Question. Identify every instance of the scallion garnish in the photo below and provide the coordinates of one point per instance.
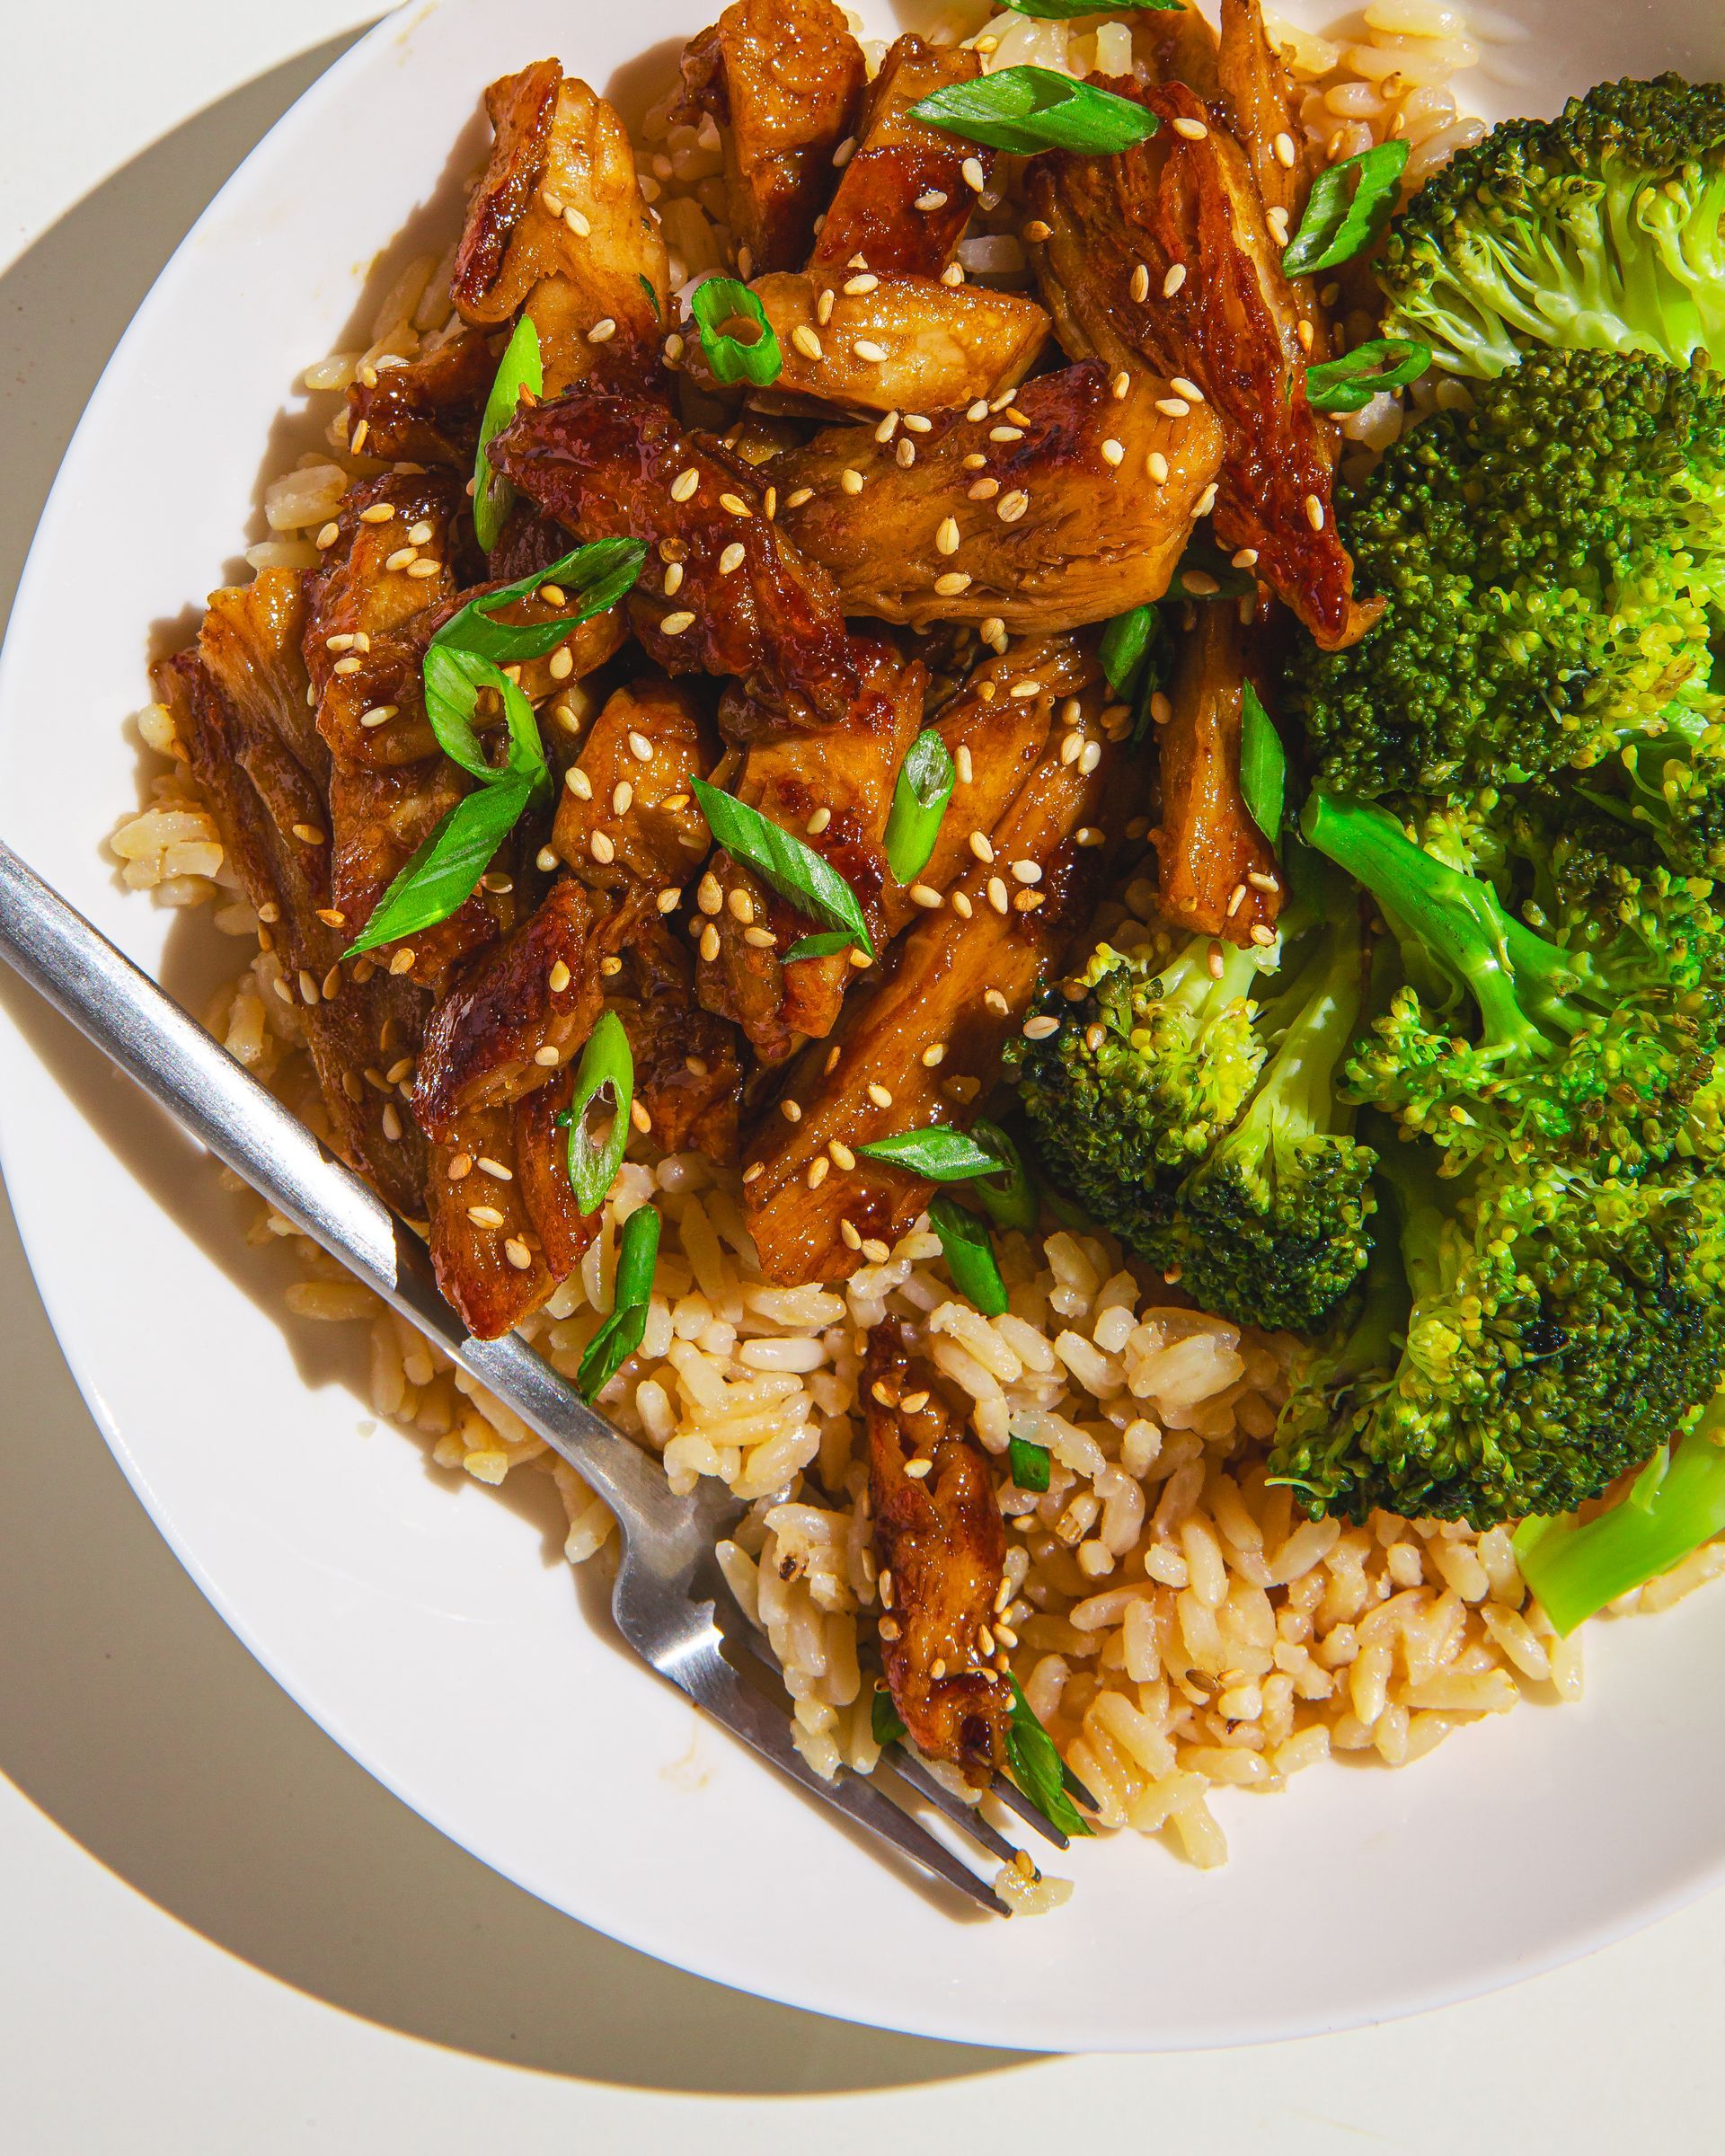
(519, 369)
(443, 873)
(607, 1064)
(1028, 1463)
(1350, 206)
(622, 1331)
(1125, 642)
(646, 284)
(1263, 764)
(825, 945)
(795, 872)
(1037, 1768)
(1064, 11)
(926, 778)
(883, 1719)
(454, 681)
(595, 575)
(1024, 110)
(1350, 383)
(1009, 1196)
(1576, 1566)
(969, 1249)
(715, 302)
(938, 1152)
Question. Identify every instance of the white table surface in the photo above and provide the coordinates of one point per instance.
(216, 1934)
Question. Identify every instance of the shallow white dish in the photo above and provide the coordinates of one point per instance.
(434, 1630)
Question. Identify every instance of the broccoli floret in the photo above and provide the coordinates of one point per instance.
(1270, 1228)
(1552, 561)
(1601, 228)
(1546, 1334)
(1589, 1043)
(1147, 1068)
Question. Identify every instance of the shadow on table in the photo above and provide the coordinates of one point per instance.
(127, 1711)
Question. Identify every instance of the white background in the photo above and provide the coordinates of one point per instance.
(215, 1933)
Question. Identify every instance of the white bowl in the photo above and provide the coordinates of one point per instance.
(435, 1631)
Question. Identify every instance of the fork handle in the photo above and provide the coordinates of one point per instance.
(145, 1031)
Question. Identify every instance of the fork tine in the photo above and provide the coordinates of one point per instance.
(1015, 1800)
(712, 1683)
(966, 1817)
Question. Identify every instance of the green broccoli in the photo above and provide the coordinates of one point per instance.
(1589, 1043)
(1149, 1065)
(1599, 229)
(1540, 1335)
(1270, 1228)
(1552, 560)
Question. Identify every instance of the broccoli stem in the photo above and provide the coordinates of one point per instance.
(1295, 1097)
(1189, 981)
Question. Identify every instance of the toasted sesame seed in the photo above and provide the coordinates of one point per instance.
(850, 479)
(819, 822)
(402, 961)
(905, 455)
(577, 223)
(485, 1216)
(993, 1000)
(981, 847)
(855, 286)
(843, 1158)
(916, 1470)
(709, 944)
(961, 906)
(1091, 758)
(674, 625)
(734, 505)
(579, 784)
(1113, 452)
(973, 175)
(1305, 334)
(1198, 583)
(807, 343)
(846, 151)
(327, 535)
(887, 427)
(997, 896)
(1213, 960)
(754, 1172)
(760, 939)
(1315, 512)
(356, 439)
(1024, 690)
(741, 906)
(946, 539)
(934, 199)
(795, 501)
(954, 581)
(547, 1057)
(1071, 748)
(640, 1118)
(1205, 501)
(875, 1251)
(1011, 507)
(1194, 130)
(562, 664)
(403, 557)
(983, 489)
(1174, 279)
(888, 1628)
(1183, 387)
(622, 796)
(684, 484)
(1036, 232)
(1276, 220)
(879, 1094)
(1006, 434)
(729, 561)
(919, 422)
(853, 1240)
(603, 330)
(308, 834)
(1139, 287)
(379, 714)
(1027, 872)
(792, 1111)
(824, 304)
(1156, 465)
(1284, 148)
(673, 581)
(602, 849)
(818, 1168)
(926, 895)
(1247, 557)
(1173, 408)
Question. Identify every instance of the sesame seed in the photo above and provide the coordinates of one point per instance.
(877, 1253)
(1315, 512)
(546, 858)
(1284, 148)
(916, 1470)
(1247, 557)
(579, 784)
(562, 664)
(577, 223)
(420, 533)
(1006, 434)
(1024, 690)
(330, 985)
(734, 505)
(890, 1630)
(843, 154)
(796, 500)
(983, 489)
(518, 1253)
(961, 906)
(754, 1172)
(1156, 465)
(1011, 507)
(954, 581)
(824, 307)
(401, 960)
(855, 286)
(995, 1000)
(818, 1168)
(887, 427)
(1276, 220)
(934, 199)
(980, 846)
(879, 1094)
(1306, 333)
(1071, 748)
(1199, 583)
(1113, 452)
(1181, 387)
(1139, 287)
(831, 1063)
(640, 1118)
(674, 625)
(601, 849)
(1036, 232)
(356, 439)
(792, 1111)
(973, 175)
(709, 944)
(669, 900)
(1173, 408)
(926, 895)
(1027, 872)
(402, 558)
(946, 540)
(379, 714)
(841, 1156)
(730, 560)
(623, 795)
(819, 822)
(742, 907)
(1205, 501)
(1090, 759)
(308, 834)
(1174, 279)
(307, 986)
(850, 479)
(547, 1057)
(760, 939)
(919, 422)
(498, 1172)
(603, 330)
(684, 484)
(327, 535)
(1213, 960)
(1194, 130)
(806, 341)
(905, 453)
(673, 582)
(485, 1216)
(378, 512)
(997, 894)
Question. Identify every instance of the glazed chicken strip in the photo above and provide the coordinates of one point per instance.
(1266, 112)
(784, 80)
(1069, 505)
(903, 201)
(501, 1242)
(724, 591)
(426, 410)
(941, 1544)
(1218, 873)
(1161, 259)
(1176, 44)
(892, 343)
(925, 1045)
(360, 1022)
(558, 229)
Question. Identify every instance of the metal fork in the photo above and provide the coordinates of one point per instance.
(670, 1601)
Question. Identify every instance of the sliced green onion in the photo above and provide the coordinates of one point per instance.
(1126, 641)
(443, 873)
(453, 681)
(597, 576)
(939, 1153)
(969, 1249)
(519, 369)
(1350, 206)
(1009, 1198)
(1066, 11)
(1024, 110)
(622, 1331)
(606, 1062)
(646, 284)
(1350, 383)
(926, 778)
(1036, 1766)
(1576, 1566)
(795, 872)
(883, 1719)
(823, 946)
(1263, 764)
(715, 302)
(1028, 1463)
